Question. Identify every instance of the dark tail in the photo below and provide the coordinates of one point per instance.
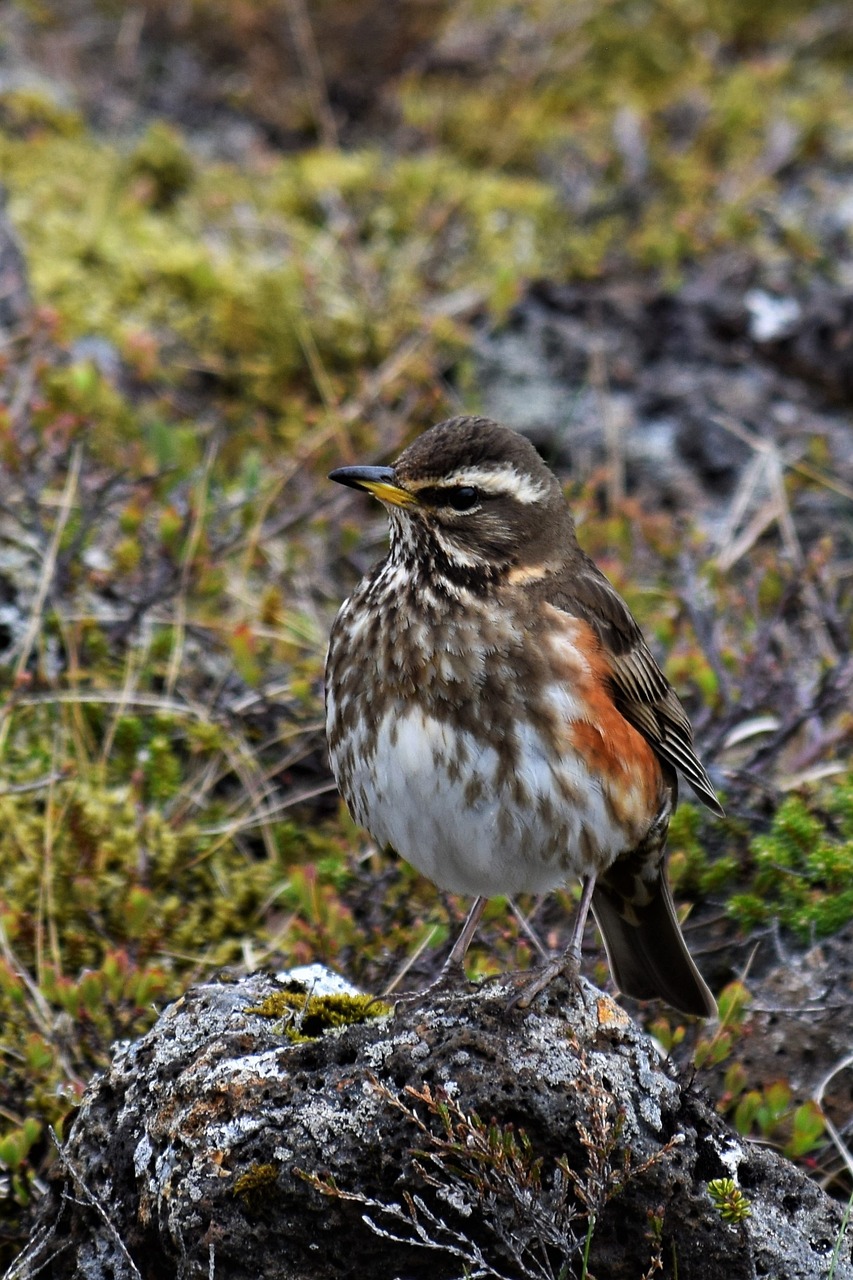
(650, 958)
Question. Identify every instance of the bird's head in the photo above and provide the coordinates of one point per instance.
(476, 497)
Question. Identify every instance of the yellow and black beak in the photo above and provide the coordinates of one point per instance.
(380, 481)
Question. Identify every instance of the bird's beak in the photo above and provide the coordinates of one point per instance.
(380, 481)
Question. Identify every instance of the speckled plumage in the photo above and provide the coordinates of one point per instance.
(493, 712)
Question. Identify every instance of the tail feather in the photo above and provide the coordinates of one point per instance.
(650, 958)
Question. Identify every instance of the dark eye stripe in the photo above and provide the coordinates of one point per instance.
(457, 497)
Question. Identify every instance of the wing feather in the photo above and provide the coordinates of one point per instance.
(640, 690)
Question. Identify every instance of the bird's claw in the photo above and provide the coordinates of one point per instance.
(530, 985)
(451, 978)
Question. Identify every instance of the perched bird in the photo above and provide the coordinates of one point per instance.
(494, 714)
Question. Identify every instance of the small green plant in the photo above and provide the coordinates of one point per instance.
(732, 1005)
(771, 1114)
(802, 869)
(730, 1202)
(161, 166)
(694, 872)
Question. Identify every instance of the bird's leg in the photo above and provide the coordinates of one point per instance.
(569, 962)
(452, 970)
(466, 937)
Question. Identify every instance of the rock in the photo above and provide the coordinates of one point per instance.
(239, 1139)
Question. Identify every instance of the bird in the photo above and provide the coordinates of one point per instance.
(495, 716)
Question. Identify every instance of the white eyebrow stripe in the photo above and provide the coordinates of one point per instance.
(496, 480)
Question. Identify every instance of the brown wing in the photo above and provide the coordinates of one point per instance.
(640, 690)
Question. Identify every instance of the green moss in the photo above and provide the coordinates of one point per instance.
(255, 1187)
(246, 277)
(123, 879)
(80, 849)
(29, 113)
(799, 872)
(298, 274)
(308, 1017)
(161, 166)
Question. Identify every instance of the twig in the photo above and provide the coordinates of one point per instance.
(313, 76)
(838, 1141)
(410, 961)
(33, 1260)
(842, 1232)
(613, 429)
(271, 812)
(528, 930)
(37, 784)
(768, 466)
(137, 656)
(47, 572)
(91, 1199)
(180, 620)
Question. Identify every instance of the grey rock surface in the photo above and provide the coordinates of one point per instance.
(203, 1151)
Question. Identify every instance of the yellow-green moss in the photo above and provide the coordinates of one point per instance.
(30, 113)
(255, 1186)
(161, 165)
(308, 1017)
(246, 277)
(658, 130)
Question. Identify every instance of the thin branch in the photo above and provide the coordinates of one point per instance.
(92, 1200)
(180, 621)
(313, 76)
(48, 569)
(838, 1141)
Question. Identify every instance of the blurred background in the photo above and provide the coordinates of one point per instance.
(243, 242)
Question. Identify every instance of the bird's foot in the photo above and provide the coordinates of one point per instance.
(567, 965)
(452, 978)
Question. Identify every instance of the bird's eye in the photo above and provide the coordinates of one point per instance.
(465, 498)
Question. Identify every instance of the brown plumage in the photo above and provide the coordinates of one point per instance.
(494, 713)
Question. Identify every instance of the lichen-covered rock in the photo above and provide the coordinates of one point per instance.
(240, 1139)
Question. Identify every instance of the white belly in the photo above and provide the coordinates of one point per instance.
(431, 793)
